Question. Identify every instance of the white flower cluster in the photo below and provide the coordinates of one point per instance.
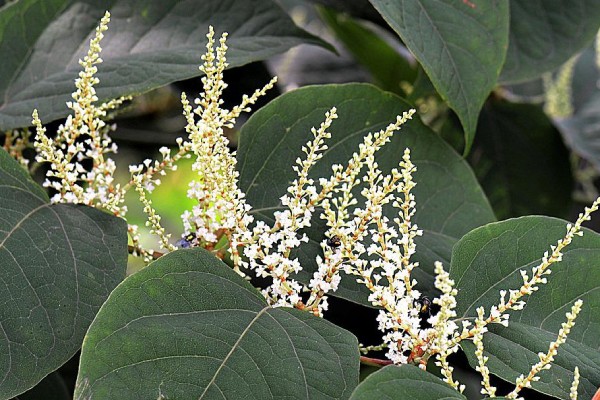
(349, 227)
(16, 141)
(80, 171)
(269, 254)
(385, 265)
(221, 210)
(83, 136)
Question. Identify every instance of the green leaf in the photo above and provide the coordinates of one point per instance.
(489, 259)
(59, 263)
(521, 161)
(387, 67)
(188, 327)
(544, 35)
(51, 387)
(405, 382)
(148, 44)
(460, 44)
(449, 201)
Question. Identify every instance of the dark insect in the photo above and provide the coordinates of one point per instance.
(186, 241)
(334, 242)
(424, 305)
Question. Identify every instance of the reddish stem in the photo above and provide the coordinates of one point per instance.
(375, 362)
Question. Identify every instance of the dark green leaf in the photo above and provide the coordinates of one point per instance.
(59, 263)
(449, 201)
(51, 387)
(460, 44)
(405, 382)
(545, 34)
(188, 327)
(387, 67)
(521, 161)
(489, 259)
(148, 44)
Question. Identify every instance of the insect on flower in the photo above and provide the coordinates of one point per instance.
(186, 241)
(334, 242)
(424, 305)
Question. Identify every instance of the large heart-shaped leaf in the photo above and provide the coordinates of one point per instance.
(148, 44)
(460, 44)
(188, 327)
(513, 138)
(405, 382)
(449, 201)
(489, 259)
(545, 34)
(59, 263)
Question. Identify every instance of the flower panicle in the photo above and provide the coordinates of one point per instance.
(558, 92)
(84, 136)
(221, 209)
(386, 274)
(270, 256)
(16, 142)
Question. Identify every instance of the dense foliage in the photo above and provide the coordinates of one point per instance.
(508, 102)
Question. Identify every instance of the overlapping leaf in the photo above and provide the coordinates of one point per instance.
(387, 66)
(188, 327)
(460, 44)
(148, 44)
(545, 34)
(490, 259)
(59, 263)
(449, 201)
(405, 382)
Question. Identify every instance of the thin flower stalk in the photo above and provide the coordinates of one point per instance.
(574, 385)
(498, 313)
(443, 327)
(154, 218)
(546, 358)
(597, 47)
(486, 387)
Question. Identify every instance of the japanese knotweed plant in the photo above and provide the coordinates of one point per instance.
(362, 242)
